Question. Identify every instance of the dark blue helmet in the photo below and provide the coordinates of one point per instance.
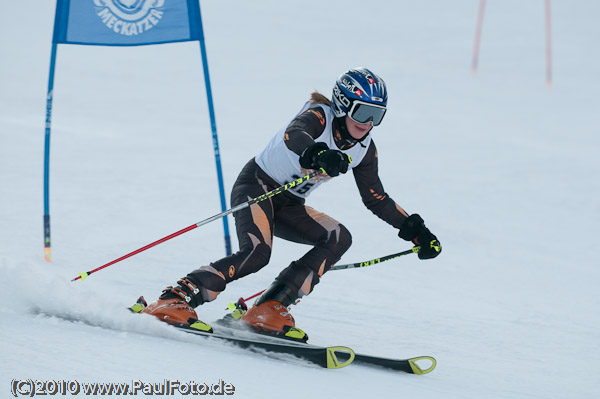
(361, 95)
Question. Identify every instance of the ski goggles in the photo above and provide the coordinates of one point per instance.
(363, 112)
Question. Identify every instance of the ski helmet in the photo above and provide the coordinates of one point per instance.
(361, 95)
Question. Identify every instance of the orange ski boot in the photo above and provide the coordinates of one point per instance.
(173, 306)
(270, 315)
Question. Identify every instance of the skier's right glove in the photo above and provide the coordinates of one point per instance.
(318, 156)
(413, 229)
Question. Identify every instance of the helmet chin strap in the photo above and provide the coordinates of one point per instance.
(340, 124)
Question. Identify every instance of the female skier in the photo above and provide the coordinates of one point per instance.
(332, 135)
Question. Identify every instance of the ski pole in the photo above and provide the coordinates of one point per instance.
(242, 301)
(246, 204)
(376, 260)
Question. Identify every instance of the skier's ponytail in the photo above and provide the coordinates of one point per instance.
(318, 98)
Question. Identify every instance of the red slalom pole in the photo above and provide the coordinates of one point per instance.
(254, 296)
(242, 302)
(278, 190)
(548, 46)
(475, 62)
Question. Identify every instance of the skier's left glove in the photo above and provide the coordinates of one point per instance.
(413, 229)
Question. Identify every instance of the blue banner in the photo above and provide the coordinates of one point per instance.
(126, 22)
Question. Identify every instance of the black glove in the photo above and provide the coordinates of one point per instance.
(318, 156)
(413, 229)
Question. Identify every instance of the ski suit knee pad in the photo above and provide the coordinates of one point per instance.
(343, 243)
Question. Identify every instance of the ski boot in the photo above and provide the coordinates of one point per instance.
(270, 314)
(173, 306)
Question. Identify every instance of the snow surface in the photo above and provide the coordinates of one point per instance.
(503, 169)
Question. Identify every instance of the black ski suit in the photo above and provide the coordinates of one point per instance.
(286, 216)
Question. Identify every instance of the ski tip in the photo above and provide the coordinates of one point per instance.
(339, 356)
(416, 369)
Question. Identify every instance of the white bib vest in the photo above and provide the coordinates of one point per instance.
(283, 165)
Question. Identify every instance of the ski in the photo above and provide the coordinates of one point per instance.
(406, 365)
(416, 365)
(331, 357)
